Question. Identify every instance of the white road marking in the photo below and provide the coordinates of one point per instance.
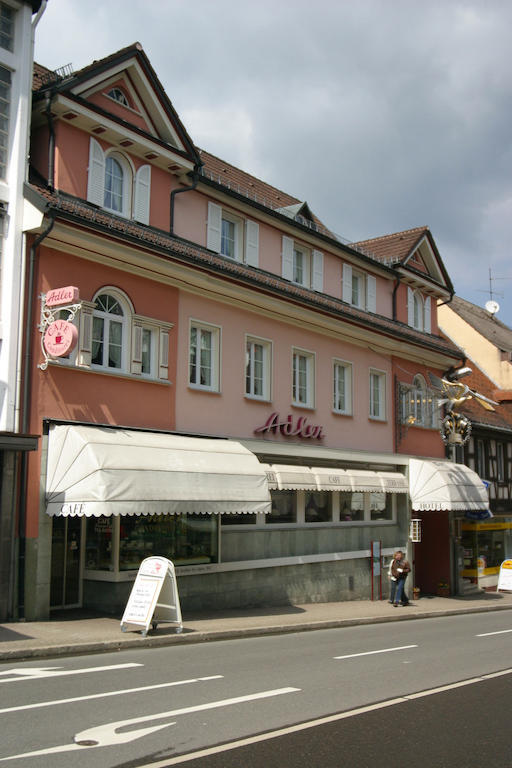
(36, 673)
(371, 653)
(488, 634)
(106, 694)
(170, 761)
(106, 735)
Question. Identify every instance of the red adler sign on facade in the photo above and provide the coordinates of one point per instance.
(60, 338)
(289, 429)
(57, 296)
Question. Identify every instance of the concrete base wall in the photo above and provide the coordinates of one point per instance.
(283, 585)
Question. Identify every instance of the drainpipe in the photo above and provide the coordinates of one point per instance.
(25, 414)
(395, 289)
(443, 303)
(195, 179)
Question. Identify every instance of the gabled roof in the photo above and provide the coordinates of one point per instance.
(484, 323)
(75, 89)
(414, 252)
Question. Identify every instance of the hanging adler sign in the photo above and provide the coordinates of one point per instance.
(289, 428)
(59, 336)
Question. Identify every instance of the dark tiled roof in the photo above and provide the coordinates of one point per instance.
(173, 248)
(40, 76)
(482, 321)
(394, 248)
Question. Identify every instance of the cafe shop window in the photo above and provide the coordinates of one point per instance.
(351, 506)
(188, 539)
(318, 507)
(284, 507)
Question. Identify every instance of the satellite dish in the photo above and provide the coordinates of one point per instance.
(492, 307)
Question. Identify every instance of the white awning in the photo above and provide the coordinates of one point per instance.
(442, 485)
(281, 477)
(102, 471)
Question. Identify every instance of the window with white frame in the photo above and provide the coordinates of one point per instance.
(204, 351)
(258, 359)
(418, 311)
(6, 27)
(5, 105)
(301, 265)
(232, 236)
(113, 183)
(303, 378)
(342, 387)
(377, 395)
(111, 337)
(418, 404)
(359, 289)
(109, 332)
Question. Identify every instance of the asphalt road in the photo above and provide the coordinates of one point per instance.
(151, 706)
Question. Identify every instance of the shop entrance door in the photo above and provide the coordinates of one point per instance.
(66, 582)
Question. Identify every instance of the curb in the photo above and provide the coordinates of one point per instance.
(194, 637)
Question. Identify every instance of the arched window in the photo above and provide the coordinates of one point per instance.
(418, 404)
(417, 311)
(118, 95)
(109, 332)
(114, 184)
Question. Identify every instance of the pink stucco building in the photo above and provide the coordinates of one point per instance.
(239, 399)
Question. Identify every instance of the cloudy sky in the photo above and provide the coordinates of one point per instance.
(382, 114)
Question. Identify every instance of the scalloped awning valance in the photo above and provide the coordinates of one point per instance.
(95, 471)
(442, 485)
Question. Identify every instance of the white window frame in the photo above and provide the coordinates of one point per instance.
(347, 368)
(246, 235)
(133, 328)
(312, 266)
(215, 330)
(250, 341)
(419, 310)
(377, 408)
(302, 254)
(107, 318)
(366, 298)
(136, 184)
(309, 358)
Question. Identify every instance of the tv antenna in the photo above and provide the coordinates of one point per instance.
(492, 305)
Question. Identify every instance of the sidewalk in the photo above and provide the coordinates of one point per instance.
(81, 632)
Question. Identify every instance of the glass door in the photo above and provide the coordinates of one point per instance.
(66, 585)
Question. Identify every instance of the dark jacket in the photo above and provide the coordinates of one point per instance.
(400, 569)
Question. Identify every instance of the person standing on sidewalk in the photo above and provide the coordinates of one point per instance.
(399, 570)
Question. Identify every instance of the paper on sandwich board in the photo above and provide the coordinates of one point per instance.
(154, 597)
(505, 577)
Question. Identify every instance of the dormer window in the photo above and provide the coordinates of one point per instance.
(118, 95)
(114, 184)
(418, 311)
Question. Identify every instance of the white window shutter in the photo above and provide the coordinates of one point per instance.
(142, 194)
(252, 239)
(214, 231)
(287, 258)
(96, 175)
(318, 271)
(163, 357)
(371, 293)
(84, 354)
(136, 362)
(410, 307)
(347, 284)
(428, 316)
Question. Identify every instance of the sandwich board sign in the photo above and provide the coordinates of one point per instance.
(154, 597)
(505, 577)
